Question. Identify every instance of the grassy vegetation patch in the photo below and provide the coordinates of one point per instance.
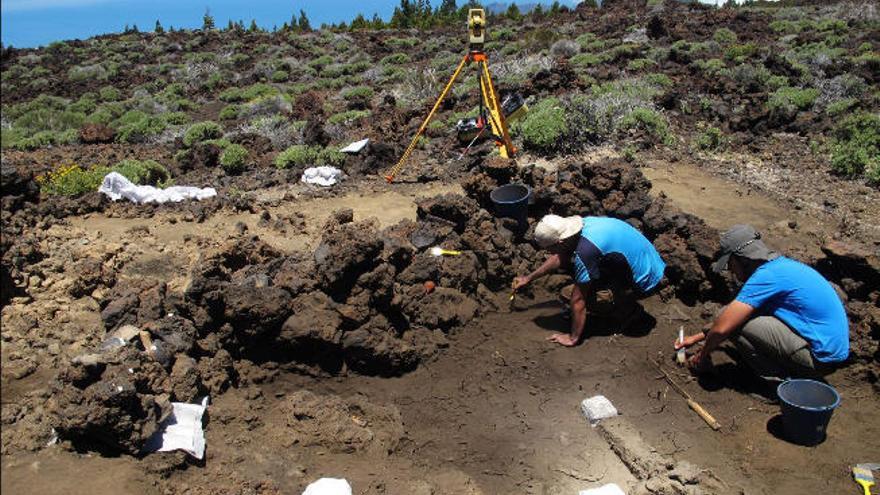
(856, 146)
(304, 156)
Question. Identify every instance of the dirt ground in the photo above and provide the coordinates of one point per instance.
(495, 411)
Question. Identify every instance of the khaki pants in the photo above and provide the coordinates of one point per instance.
(773, 350)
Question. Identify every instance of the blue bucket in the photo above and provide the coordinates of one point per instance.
(807, 406)
(512, 201)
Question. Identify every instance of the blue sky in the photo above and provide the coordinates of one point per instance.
(30, 23)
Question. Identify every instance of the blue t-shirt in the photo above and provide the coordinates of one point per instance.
(603, 239)
(802, 298)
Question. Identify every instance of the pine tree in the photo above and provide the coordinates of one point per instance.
(229, 25)
(304, 24)
(538, 12)
(134, 28)
(207, 20)
(555, 8)
(159, 29)
(447, 9)
(376, 22)
(359, 22)
(513, 12)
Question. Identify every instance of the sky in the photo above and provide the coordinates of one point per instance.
(31, 23)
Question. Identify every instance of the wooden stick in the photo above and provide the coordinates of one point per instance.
(694, 405)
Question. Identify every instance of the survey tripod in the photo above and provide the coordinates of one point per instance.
(490, 106)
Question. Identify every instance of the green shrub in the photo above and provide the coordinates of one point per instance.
(298, 155)
(774, 83)
(586, 60)
(856, 146)
(739, 53)
(396, 59)
(320, 62)
(710, 139)
(841, 106)
(109, 93)
(649, 121)
(45, 138)
(712, 66)
(86, 104)
(71, 180)
(399, 43)
(233, 158)
(789, 99)
(640, 63)
(304, 156)
(136, 126)
(259, 90)
(176, 118)
(280, 76)
(229, 112)
(724, 36)
(658, 79)
(202, 131)
(148, 172)
(358, 93)
(543, 127)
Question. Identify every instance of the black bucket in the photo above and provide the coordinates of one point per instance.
(807, 406)
(512, 201)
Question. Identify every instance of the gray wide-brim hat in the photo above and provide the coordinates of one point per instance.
(745, 241)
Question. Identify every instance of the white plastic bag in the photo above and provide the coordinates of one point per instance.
(328, 486)
(609, 489)
(322, 176)
(116, 186)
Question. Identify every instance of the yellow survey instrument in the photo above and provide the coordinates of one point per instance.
(489, 101)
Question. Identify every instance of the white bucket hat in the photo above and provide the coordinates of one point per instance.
(553, 228)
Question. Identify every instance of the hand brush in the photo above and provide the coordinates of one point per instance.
(863, 476)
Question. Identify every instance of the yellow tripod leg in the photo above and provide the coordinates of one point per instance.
(490, 99)
(409, 149)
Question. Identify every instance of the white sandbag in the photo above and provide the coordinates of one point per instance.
(116, 187)
(322, 176)
(328, 486)
(597, 408)
(609, 489)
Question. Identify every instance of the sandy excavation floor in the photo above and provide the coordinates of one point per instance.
(496, 411)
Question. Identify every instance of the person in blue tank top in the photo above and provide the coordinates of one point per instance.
(786, 321)
(600, 252)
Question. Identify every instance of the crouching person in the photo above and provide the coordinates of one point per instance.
(786, 321)
(599, 252)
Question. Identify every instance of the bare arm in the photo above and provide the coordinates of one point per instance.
(579, 297)
(734, 316)
(553, 262)
(579, 310)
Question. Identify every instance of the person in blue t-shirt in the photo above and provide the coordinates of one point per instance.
(787, 320)
(600, 252)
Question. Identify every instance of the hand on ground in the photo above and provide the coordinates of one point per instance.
(699, 364)
(519, 282)
(562, 339)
